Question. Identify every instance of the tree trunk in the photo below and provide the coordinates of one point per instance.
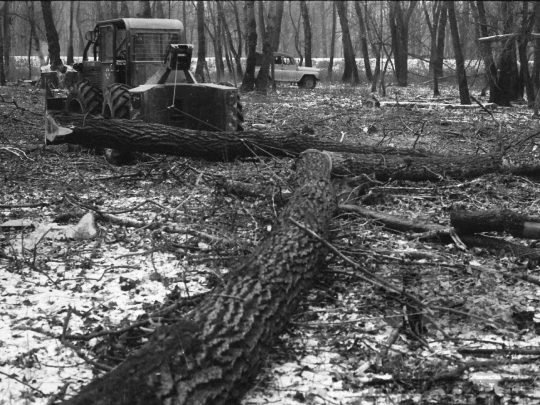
(146, 9)
(363, 40)
(124, 10)
(69, 60)
(238, 54)
(296, 30)
(307, 32)
(527, 25)
(322, 12)
(487, 54)
(350, 71)
(464, 97)
(248, 82)
(213, 355)
(160, 13)
(2, 64)
(349, 159)
(399, 31)
(332, 42)
(268, 52)
(441, 35)
(52, 36)
(536, 66)
(201, 40)
(6, 28)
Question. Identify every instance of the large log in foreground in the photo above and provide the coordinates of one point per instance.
(211, 355)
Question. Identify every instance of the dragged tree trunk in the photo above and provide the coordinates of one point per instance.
(349, 159)
(211, 356)
(139, 136)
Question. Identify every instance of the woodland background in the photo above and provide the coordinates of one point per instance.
(177, 227)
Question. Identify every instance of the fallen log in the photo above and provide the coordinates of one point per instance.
(505, 220)
(211, 355)
(443, 234)
(139, 136)
(348, 159)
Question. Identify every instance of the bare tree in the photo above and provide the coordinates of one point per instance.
(458, 54)
(2, 71)
(146, 10)
(399, 31)
(248, 82)
(124, 10)
(6, 27)
(332, 42)
(267, 50)
(201, 41)
(322, 12)
(363, 39)
(160, 13)
(523, 39)
(296, 28)
(70, 43)
(52, 35)
(307, 32)
(350, 71)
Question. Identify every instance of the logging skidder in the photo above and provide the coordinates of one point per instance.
(137, 68)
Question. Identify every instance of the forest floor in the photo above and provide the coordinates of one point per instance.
(70, 309)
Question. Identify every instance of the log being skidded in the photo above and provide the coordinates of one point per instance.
(213, 354)
(385, 163)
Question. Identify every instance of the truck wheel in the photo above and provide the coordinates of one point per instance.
(84, 99)
(307, 82)
(117, 103)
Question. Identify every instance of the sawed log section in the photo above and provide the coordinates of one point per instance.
(211, 356)
(348, 159)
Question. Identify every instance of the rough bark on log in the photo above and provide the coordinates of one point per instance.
(139, 136)
(505, 220)
(211, 355)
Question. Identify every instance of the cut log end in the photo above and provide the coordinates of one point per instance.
(53, 130)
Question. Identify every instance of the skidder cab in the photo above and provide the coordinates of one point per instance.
(136, 68)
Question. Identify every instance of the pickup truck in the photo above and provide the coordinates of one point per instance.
(287, 70)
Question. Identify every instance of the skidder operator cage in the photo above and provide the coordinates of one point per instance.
(138, 39)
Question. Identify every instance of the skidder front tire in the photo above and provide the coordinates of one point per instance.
(84, 98)
(117, 105)
(117, 101)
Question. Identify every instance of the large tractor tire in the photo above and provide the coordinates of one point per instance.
(308, 82)
(117, 101)
(84, 98)
(116, 105)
